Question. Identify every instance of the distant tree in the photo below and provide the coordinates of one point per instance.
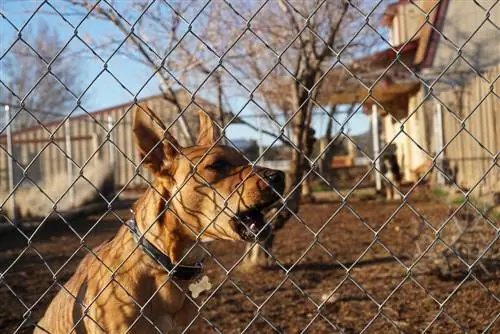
(26, 77)
(278, 152)
(252, 151)
(276, 54)
(290, 63)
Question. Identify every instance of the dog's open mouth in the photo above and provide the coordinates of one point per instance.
(251, 224)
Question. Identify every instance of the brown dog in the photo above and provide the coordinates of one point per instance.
(212, 193)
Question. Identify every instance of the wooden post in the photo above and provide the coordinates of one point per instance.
(438, 134)
(111, 146)
(376, 147)
(10, 164)
(260, 138)
(69, 163)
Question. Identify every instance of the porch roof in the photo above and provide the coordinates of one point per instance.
(375, 77)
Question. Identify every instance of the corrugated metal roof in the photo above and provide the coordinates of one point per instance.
(51, 118)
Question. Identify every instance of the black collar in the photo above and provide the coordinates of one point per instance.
(180, 272)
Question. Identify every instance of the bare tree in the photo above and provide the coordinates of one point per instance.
(28, 78)
(275, 55)
(306, 40)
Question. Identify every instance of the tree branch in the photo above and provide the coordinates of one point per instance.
(333, 33)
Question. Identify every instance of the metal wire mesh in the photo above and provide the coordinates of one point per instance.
(290, 73)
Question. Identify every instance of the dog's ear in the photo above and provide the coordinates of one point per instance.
(156, 146)
(209, 132)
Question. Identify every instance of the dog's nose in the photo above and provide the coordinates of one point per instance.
(275, 178)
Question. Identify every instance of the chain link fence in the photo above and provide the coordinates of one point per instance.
(383, 114)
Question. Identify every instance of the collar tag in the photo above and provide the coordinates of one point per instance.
(200, 286)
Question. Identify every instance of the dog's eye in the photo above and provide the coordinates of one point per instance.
(219, 165)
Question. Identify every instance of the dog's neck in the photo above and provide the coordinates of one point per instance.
(163, 228)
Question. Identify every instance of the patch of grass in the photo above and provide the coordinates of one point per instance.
(496, 215)
(440, 192)
(457, 200)
(480, 205)
(320, 186)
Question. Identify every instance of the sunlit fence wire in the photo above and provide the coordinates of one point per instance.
(429, 94)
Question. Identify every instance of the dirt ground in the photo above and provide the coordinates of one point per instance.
(360, 269)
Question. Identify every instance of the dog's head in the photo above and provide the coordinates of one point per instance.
(211, 187)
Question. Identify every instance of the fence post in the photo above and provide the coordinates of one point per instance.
(376, 146)
(67, 138)
(95, 145)
(10, 164)
(110, 139)
(259, 140)
(438, 134)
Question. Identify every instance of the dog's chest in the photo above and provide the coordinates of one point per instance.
(165, 323)
(174, 323)
(169, 308)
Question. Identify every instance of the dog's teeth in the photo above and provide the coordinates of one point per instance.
(253, 227)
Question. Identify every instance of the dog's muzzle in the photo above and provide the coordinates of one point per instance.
(251, 224)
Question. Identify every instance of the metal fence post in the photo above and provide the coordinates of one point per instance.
(438, 134)
(376, 146)
(10, 164)
(67, 138)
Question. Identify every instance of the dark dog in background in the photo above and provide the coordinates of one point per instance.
(392, 172)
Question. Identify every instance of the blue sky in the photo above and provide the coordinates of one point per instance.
(106, 91)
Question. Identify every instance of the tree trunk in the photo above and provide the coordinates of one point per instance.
(303, 138)
(307, 195)
(326, 159)
(256, 257)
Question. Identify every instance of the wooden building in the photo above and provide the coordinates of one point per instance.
(51, 148)
(435, 89)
